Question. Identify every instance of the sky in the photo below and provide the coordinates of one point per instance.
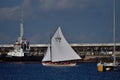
(81, 21)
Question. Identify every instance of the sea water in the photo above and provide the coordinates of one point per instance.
(35, 71)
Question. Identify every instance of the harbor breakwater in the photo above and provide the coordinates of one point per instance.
(85, 58)
(98, 58)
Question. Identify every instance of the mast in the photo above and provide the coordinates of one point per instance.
(51, 44)
(50, 47)
(114, 34)
(21, 27)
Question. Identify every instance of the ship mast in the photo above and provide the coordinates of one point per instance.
(114, 34)
(50, 47)
(21, 27)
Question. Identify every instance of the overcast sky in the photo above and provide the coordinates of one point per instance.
(82, 21)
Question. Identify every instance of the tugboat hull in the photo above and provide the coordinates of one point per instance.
(21, 59)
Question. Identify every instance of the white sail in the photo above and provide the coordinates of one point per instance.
(60, 48)
(47, 55)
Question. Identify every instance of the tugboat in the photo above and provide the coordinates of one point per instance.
(21, 51)
(21, 47)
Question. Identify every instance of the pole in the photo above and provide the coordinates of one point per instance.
(114, 30)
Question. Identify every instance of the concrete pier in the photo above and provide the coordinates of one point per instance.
(103, 48)
(89, 51)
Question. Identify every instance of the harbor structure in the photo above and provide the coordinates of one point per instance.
(84, 48)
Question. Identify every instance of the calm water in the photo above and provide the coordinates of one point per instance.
(35, 71)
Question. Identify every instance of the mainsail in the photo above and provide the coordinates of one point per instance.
(60, 50)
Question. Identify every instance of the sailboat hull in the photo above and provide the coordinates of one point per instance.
(58, 64)
(105, 67)
(108, 68)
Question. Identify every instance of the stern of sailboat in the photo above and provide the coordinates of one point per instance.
(100, 67)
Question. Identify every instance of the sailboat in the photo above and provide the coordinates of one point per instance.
(105, 66)
(59, 52)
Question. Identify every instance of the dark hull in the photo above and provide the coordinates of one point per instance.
(108, 68)
(21, 59)
(111, 68)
